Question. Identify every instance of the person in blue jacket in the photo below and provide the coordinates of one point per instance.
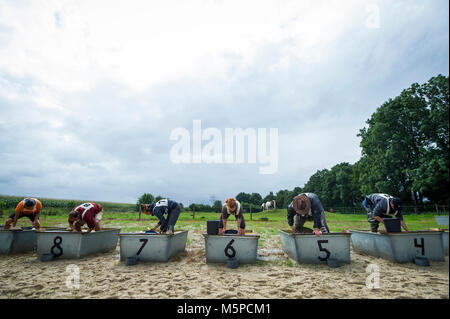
(307, 207)
(163, 207)
(379, 206)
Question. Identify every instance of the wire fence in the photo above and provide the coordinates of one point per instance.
(408, 209)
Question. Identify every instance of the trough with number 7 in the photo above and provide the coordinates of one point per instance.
(152, 247)
(66, 244)
(400, 247)
(312, 249)
(220, 248)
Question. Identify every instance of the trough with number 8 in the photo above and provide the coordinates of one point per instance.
(152, 247)
(312, 249)
(66, 244)
(400, 247)
(220, 248)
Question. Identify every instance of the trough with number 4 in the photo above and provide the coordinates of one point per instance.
(400, 247)
(66, 244)
(312, 249)
(152, 247)
(220, 248)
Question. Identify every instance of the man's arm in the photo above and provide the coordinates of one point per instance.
(16, 216)
(36, 219)
(290, 218)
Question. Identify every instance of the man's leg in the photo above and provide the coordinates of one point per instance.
(299, 222)
(324, 229)
(373, 222)
(172, 218)
(10, 220)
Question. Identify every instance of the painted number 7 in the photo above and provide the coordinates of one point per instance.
(320, 242)
(144, 242)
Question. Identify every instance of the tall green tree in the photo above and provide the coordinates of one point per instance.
(405, 146)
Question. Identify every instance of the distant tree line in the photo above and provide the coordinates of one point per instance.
(404, 152)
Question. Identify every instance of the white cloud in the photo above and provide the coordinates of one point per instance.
(94, 88)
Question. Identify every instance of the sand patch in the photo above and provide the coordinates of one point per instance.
(188, 276)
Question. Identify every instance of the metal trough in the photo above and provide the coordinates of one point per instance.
(441, 220)
(312, 249)
(13, 241)
(220, 248)
(66, 244)
(400, 247)
(152, 247)
(444, 236)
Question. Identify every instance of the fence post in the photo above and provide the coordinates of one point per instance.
(140, 210)
(193, 212)
(251, 217)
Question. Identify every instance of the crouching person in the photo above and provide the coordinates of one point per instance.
(232, 207)
(87, 213)
(30, 208)
(165, 206)
(307, 207)
(379, 206)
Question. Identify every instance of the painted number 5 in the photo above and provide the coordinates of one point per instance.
(320, 242)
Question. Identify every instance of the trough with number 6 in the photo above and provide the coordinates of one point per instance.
(220, 248)
(400, 247)
(312, 249)
(66, 244)
(152, 247)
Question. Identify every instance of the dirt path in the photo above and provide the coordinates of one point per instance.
(187, 276)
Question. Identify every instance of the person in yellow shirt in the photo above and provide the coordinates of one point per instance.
(29, 207)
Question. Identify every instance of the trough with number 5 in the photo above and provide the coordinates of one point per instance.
(400, 247)
(220, 248)
(152, 247)
(312, 249)
(66, 244)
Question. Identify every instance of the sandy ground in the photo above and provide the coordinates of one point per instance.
(188, 276)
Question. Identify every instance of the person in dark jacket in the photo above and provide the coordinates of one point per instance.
(307, 207)
(158, 209)
(379, 206)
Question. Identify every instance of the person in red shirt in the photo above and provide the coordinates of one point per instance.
(29, 207)
(87, 213)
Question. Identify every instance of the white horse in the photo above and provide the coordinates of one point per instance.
(269, 205)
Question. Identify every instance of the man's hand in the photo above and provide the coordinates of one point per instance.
(293, 229)
(241, 231)
(222, 231)
(404, 226)
(317, 232)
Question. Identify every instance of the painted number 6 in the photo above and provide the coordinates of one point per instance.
(230, 248)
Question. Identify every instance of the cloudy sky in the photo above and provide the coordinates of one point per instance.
(90, 91)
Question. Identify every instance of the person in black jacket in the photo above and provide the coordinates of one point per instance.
(379, 206)
(158, 209)
(307, 207)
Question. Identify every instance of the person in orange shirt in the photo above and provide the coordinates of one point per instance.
(29, 207)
